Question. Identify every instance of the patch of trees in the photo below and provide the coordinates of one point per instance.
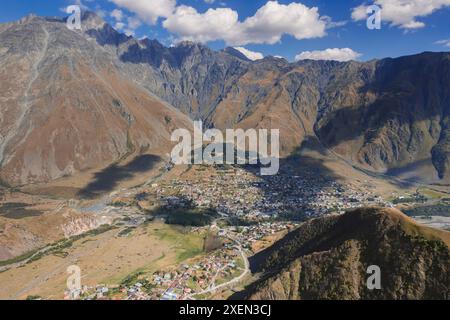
(187, 217)
(211, 243)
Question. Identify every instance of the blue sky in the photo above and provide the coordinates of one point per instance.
(423, 26)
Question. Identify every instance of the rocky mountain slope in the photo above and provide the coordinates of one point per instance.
(327, 258)
(66, 106)
(389, 116)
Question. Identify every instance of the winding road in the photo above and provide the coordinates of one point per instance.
(212, 288)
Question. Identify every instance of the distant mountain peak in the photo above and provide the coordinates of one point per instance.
(29, 18)
(186, 43)
(191, 45)
(236, 53)
(91, 20)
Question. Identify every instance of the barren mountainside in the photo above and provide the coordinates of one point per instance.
(389, 116)
(66, 107)
(327, 258)
(73, 99)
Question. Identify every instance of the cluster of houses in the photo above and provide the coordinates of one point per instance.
(247, 236)
(240, 193)
(185, 280)
(88, 293)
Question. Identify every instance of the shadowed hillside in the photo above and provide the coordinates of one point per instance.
(327, 258)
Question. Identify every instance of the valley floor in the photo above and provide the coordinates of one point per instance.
(126, 247)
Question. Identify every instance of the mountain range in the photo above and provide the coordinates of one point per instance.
(72, 101)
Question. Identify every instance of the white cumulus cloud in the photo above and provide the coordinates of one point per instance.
(402, 13)
(119, 26)
(212, 25)
(148, 10)
(125, 23)
(273, 20)
(268, 25)
(336, 54)
(252, 55)
(445, 43)
(133, 23)
(117, 14)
